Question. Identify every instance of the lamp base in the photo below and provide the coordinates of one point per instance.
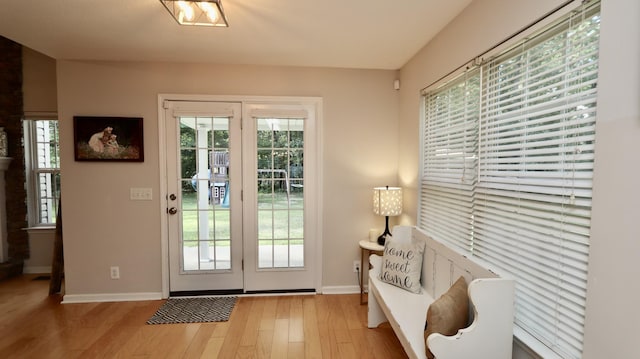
(383, 237)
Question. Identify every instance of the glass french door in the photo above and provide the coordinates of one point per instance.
(241, 197)
(203, 201)
(279, 185)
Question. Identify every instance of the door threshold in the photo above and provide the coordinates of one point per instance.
(202, 293)
(240, 292)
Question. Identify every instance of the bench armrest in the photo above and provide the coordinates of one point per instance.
(490, 335)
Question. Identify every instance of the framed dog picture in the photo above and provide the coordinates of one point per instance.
(108, 138)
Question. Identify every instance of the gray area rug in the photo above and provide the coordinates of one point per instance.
(194, 310)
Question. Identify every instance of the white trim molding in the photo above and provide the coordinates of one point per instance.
(110, 297)
(341, 289)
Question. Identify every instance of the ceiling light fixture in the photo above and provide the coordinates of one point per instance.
(197, 13)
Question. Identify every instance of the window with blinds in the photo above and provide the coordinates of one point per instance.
(450, 160)
(43, 170)
(507, 165)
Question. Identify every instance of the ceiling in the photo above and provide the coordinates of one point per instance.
(369, 34)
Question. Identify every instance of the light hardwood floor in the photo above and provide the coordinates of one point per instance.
(35, 325)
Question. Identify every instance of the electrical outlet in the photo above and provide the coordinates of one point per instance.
(356, 266)
(115, 272)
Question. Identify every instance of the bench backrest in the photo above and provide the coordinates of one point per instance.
(441, 265)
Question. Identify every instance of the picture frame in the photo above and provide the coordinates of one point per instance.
(99, 138)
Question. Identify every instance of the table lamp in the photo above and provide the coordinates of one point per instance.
(387, 201)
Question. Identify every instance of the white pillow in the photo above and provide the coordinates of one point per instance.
(402, 264)
(402, 233)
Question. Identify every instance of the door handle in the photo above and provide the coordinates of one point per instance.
(172, 197)
(172, 210)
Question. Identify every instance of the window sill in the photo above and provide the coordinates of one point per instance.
(532, 346)
(40, 229)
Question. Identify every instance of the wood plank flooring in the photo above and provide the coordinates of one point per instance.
(35, 325)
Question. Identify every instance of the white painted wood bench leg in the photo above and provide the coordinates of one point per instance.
(375, 314)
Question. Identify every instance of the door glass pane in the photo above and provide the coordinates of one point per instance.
(205, 208)
(280, 154)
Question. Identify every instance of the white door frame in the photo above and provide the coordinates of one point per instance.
(164, 235)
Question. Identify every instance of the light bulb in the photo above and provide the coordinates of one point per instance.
(186, 11)
(210, 11)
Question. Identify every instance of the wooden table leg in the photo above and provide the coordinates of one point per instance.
(362, 253)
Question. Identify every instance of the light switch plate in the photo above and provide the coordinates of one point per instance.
(140, 194)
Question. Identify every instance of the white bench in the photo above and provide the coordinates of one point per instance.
(490, 333)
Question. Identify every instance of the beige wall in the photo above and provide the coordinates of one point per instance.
(102, 227)
(613, 287)
(38, 82)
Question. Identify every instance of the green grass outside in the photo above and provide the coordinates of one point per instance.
(276, 224)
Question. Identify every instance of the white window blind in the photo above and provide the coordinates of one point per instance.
(449, 168)
(527, 212)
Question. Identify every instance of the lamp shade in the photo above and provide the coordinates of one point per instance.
(196, 12)
(387, 201)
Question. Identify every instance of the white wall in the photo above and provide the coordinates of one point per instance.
(102, 227)
(613, 286)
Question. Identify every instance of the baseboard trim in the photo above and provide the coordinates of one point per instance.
(342, 289)
(110, 297)
(131, 297)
